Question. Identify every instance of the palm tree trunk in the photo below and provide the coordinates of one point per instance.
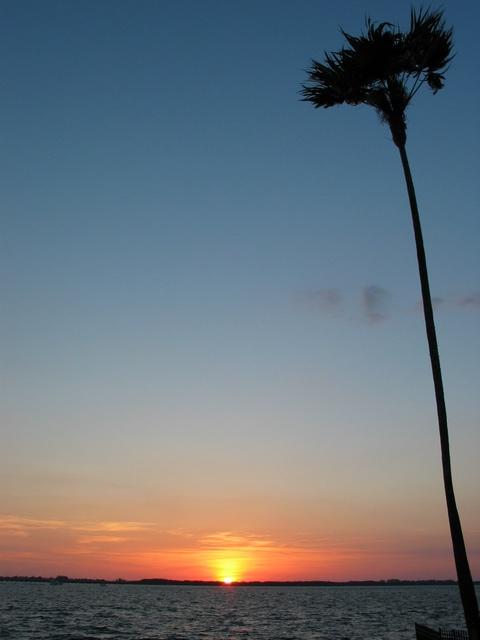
(465, 582)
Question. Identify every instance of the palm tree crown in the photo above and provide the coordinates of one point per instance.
(384, 68)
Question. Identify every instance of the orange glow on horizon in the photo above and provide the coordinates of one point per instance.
(228, 570)
(141, 549)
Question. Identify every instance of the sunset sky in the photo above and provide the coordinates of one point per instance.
(213, 357)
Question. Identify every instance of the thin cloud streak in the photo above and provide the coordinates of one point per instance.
(465, 302)
(19, 524)
(375, 303)
(24, 526)
(101, 539)
(227, 539)
(470, 301)
(113, 526)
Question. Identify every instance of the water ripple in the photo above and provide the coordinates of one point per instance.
(35, 611)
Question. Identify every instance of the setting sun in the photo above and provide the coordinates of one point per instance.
(228, 570)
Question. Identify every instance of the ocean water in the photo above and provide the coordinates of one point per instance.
(130, 612)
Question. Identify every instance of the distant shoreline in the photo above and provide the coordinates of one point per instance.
(59, 580)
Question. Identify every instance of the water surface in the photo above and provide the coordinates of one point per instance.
(39, 611)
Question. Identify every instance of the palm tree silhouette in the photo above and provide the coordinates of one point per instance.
(384, 68)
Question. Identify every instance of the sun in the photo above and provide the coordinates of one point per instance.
(228, 570)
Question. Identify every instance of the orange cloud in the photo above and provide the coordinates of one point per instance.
(24, 525)
(227, 539)
(100, 539)
(113, 526)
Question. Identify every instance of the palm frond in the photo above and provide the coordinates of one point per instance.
(383, 67)
(429, 42)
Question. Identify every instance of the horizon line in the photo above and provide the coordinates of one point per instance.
(63, 579)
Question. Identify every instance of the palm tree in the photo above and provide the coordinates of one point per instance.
(384, 68)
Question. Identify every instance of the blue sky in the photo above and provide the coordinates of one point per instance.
(202, 272)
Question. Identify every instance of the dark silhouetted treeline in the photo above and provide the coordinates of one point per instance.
(214, 583)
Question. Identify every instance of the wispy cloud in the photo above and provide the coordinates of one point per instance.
(465, 302)
(179, 532)
(127, 526)
(229, 539)
(470, 301)
(376, 302)
(23, 525)
(101, 539)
